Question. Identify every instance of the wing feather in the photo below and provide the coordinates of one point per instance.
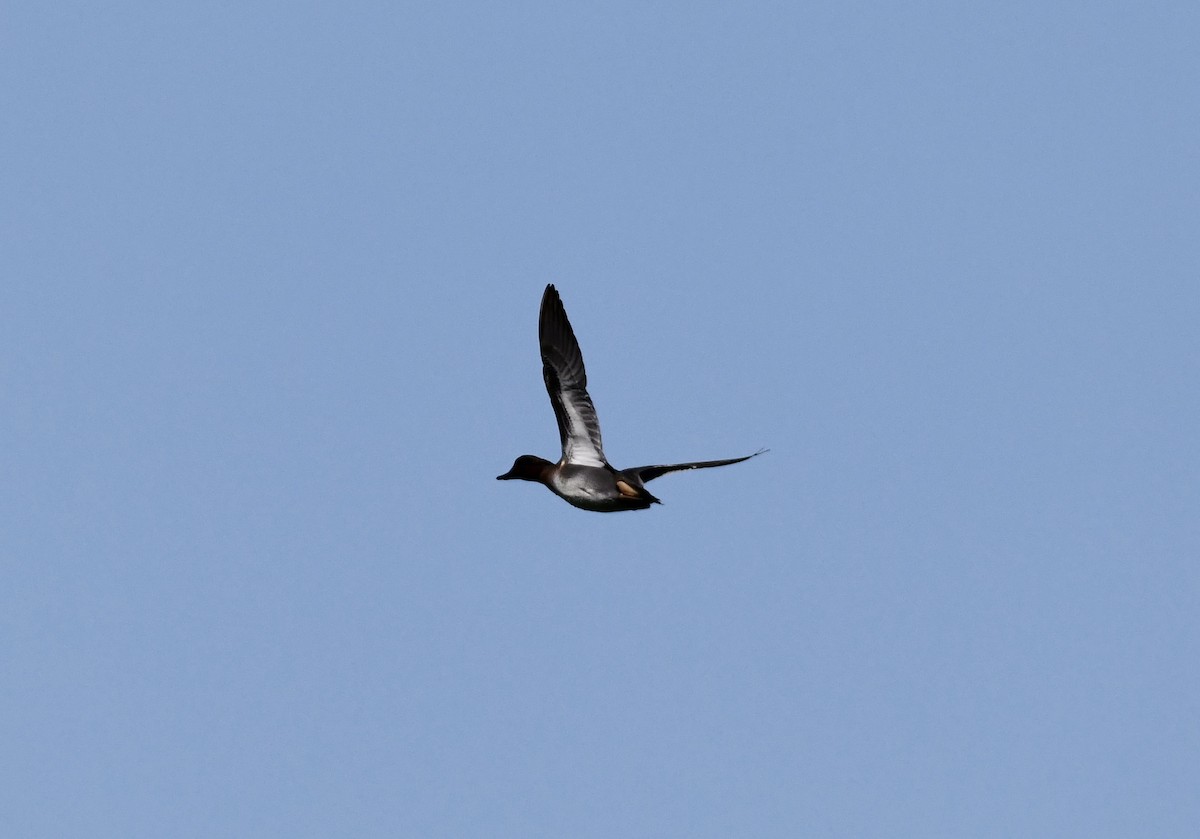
(649, 473)
(566, 383)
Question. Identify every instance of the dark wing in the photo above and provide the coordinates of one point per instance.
(566, 382)
(649, 473)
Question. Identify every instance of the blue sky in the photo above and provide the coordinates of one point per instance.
(270, 276)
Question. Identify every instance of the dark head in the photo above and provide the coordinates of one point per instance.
(527, 467)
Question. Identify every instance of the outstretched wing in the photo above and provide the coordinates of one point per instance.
(649, 473)
(566, 382)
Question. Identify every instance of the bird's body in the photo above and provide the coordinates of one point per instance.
(583, 476)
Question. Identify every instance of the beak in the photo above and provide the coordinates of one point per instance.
(507, 476)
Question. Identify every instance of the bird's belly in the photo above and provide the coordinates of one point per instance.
(588, 492)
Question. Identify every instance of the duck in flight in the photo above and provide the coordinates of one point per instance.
(583, 476)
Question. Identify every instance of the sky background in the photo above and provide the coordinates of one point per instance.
(269, 278)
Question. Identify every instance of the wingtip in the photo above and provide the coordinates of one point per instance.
(551, 305)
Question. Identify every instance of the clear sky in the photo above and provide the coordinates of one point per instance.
(269, 277)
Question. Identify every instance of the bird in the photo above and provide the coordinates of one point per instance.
(583, 476)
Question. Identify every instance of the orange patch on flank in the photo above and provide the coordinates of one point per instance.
(626, 490)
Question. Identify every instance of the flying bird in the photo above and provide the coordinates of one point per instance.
(583, 477)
